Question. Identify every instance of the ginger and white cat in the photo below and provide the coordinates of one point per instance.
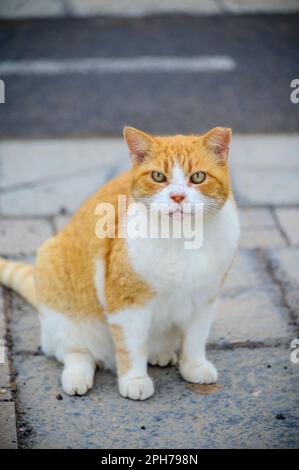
(121, 303)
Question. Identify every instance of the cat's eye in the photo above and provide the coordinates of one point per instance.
(158, 177)
(198, 177)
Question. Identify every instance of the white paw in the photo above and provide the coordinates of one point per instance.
(77, 380)
(203, 373)
(163, 359)
(139, 388)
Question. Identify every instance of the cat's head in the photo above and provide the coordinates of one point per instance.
(169, 172)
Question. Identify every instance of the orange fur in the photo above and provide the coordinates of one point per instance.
(192, 154)
(123, 357)
(64, 277)
(65, 264)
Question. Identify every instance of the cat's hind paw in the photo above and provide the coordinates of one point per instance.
(202, 373)
(163, 359)
(138, 388)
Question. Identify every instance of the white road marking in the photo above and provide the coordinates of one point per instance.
(143, 64)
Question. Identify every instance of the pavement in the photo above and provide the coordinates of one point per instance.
(250, 340)
(60, 140)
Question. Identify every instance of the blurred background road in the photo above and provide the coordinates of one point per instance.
(87, 76)
(75, 73)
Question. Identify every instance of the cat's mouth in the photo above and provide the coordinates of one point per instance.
(179, 212)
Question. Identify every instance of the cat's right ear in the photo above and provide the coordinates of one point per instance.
(138, 143)
(218, 140)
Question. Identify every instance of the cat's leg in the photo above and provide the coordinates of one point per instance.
(70, 340)
(130, 329)
(78, 373)
(163, 348)
(194, 366)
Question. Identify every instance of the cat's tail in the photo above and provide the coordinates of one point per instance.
(19, 277)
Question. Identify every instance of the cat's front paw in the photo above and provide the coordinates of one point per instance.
(201, 373)
(138, 388)
(163, 359)
(77, 381)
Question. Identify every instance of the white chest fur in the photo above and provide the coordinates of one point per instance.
(168, 267)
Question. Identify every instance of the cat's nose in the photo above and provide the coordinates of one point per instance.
(178, 197)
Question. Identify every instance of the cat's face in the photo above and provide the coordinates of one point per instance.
(174, 174)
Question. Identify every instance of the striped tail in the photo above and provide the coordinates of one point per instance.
(20, 278)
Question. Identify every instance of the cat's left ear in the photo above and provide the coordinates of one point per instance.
(218, 140)
(138, 142)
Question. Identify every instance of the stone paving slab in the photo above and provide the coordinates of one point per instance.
(55, 196)
(288, 219)
(262, 238)
(48, 160)
(256, 218)
(24, 325)
(259, 229)
(249, 305)
(8, 436)
(22, 236)
(265, 169)
(55, 176)
(243, 411)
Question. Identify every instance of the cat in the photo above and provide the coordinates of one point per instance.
(123, 302)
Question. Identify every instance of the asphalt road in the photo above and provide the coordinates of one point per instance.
(254, 97)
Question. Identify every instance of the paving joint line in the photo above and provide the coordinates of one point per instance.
(213, 346)
(283, 294)
(279, 226)
(10, 355)
(52, 224)
(247, 205)
(249, 344)
(43, 217)
(54, 178)
(23, 428)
